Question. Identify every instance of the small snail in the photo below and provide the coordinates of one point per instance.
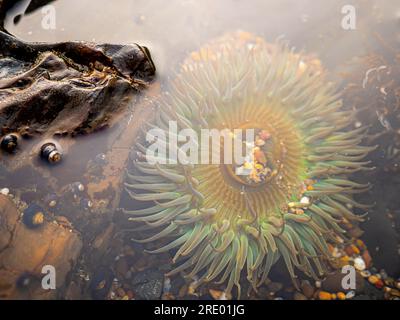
(25, 280)
(9, 142)
(33, 216)
(50, 153)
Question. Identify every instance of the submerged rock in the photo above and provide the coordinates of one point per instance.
(333, 282)
(24, 252)
(101, 283)
(148, 284)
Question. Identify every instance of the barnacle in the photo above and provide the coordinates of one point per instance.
(221, 226)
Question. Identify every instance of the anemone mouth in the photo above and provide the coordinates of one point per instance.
(290, 205)
(270, 176)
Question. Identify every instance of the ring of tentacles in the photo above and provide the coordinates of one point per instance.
(223, 228)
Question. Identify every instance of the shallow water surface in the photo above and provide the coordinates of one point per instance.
(172, 30)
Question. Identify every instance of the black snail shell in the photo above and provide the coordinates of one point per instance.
(101, 283)
(9, 142)
(33, 216)
(25, 280)
(50, 153)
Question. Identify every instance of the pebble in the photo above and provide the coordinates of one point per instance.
(333, 282)
(168, 296)
(390, 282)
(130, 294)
(148, 284)
(383, 274)
(274, 287)
(341, 296)
(86, 204)
(305, 200)
(395, 293)
(361, 244)
(376, 281)
(367, 258)
(336, 253)
(183, 291)
(260, 143)
(299, 296)
(52, 203)
(101, 159)
(217, 294)
(373, 279)
(5, 191)
(344, 261)
(365, 274)
(323, 295)
(350, 294)
(307, 289)
(167, 285)
(352, 250)
(359, 264)
(120, 292)
(77, 187)
(101, 283)
(387, 289)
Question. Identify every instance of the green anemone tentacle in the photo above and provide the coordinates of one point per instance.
(223, 226)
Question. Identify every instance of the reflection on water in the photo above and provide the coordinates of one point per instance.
(182, 25)
(172, 30)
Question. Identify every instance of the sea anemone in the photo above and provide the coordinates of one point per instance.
(221, 226)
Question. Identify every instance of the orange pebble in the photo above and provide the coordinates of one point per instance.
(373, 279)
(216, 294)
(367, 258)
(355, 249)
(344, 260)
(341, 296)
(352, 250)
(323, 295)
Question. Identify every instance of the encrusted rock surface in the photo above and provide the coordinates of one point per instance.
(24, 252)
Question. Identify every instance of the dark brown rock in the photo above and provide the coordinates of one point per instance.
(333, 283)
(307, 289)
(67, 88)
(299, 296)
